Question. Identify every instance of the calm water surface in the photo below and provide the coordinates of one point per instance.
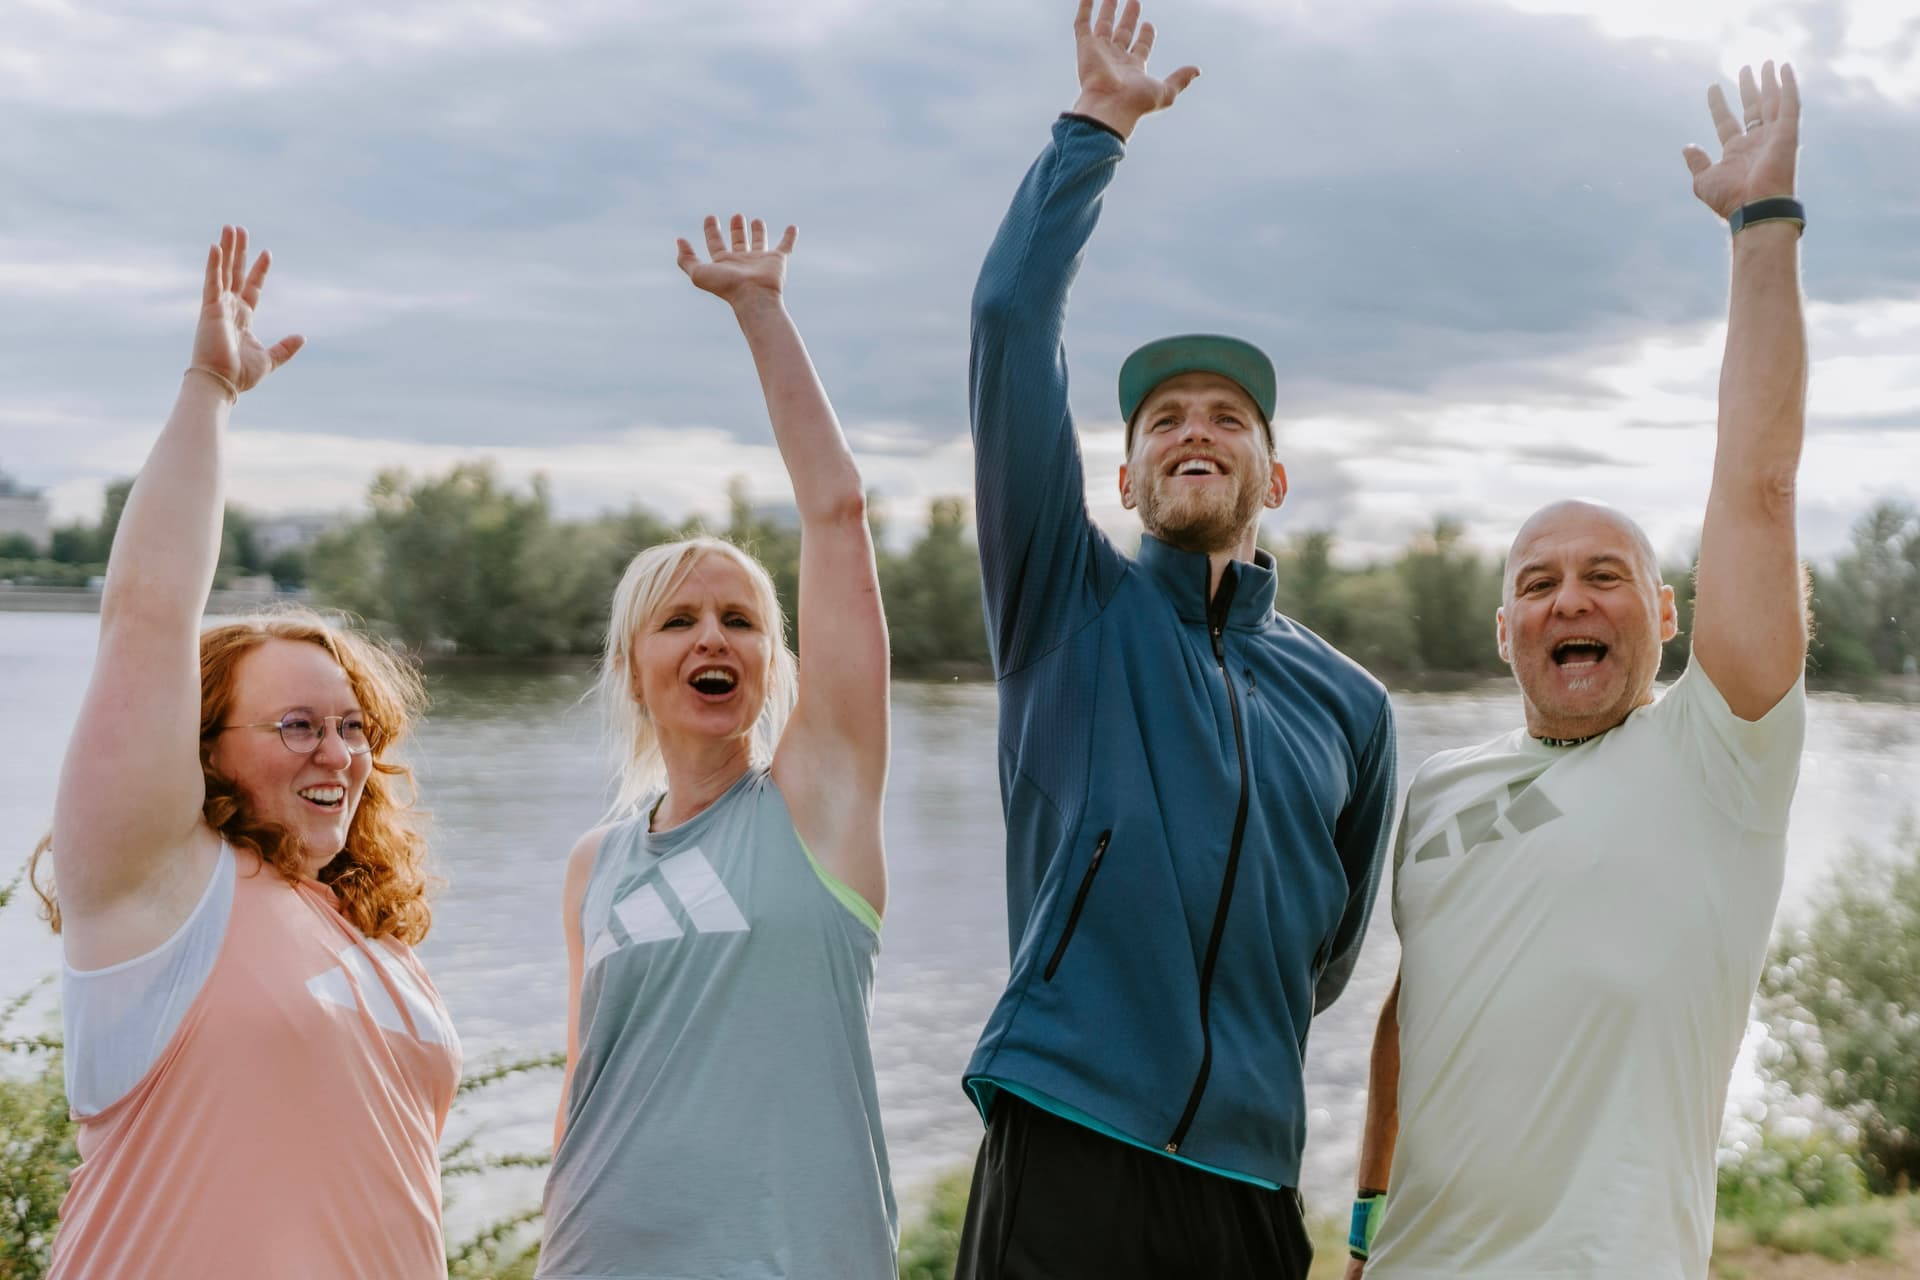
(511, 769)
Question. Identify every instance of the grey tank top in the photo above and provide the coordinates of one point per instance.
(723, 1120)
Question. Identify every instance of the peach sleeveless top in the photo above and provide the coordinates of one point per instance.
(290, 1128)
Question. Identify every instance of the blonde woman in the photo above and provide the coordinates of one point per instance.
(719, 1117)
(258, 1067)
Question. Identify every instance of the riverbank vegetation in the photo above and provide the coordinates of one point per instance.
(463, 563)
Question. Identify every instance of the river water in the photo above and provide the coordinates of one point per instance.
(511, 769)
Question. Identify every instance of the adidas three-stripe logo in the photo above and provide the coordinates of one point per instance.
(645, 915)
(335, 987)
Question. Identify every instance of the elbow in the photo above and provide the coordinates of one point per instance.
(993, 304)
(844, 509)
(1776, 492)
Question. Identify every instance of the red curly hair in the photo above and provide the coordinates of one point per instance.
(380, 877)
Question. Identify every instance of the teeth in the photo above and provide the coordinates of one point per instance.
(1197, 467)
(324, 795)
(718, 677)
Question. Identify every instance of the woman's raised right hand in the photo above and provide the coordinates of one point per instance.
(224, 345)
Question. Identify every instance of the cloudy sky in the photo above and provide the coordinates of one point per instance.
(1462, 227)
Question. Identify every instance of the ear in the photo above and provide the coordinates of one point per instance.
(1277, 487)
(1126, 487)
(1500, 634)
(1669, 614)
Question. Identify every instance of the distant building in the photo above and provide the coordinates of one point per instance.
(275, 534)
(781, 514)
(25, 511)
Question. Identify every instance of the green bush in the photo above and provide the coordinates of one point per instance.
(1780, 1175)
(36, 1157)
(929, 1245)
(1841, 1234)
(1842, 999)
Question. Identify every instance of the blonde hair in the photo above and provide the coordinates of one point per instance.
(632, 737)
(380, 877)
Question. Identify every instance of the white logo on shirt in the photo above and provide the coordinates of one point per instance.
(376, 996)
(646, 917)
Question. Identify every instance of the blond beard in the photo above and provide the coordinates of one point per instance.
(1197, 523)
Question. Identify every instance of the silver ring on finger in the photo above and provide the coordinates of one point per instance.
(1754, 124)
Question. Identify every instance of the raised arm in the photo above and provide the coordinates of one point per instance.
(832, 761)
(1030, 487)
(131, 788)
(1749, 621)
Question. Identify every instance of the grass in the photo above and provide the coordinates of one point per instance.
(1877, 1238)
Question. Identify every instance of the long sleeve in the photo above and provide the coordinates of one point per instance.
(1362, 842)
(1037, 542)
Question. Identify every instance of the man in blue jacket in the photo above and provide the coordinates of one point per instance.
(1197, 790)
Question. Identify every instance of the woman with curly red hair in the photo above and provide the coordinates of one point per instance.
(258, 1066)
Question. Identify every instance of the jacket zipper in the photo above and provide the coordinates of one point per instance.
(1079, 901)
(1216, 621)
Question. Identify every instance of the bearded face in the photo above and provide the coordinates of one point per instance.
(1199, 469)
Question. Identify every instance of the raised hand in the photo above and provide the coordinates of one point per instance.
(224, 344)
(1115, 87)
(1759, 146)
(743, 270)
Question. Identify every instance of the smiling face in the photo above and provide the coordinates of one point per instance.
(701, 662)
(1584, 619)
(312, 796)
(1199, 468)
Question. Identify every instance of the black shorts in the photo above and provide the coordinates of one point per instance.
(1055, 1200)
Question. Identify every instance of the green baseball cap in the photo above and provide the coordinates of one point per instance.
(1239, 362)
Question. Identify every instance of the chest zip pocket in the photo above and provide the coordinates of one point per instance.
(1079, 901)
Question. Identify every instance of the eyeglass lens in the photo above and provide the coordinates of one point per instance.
(303, 733)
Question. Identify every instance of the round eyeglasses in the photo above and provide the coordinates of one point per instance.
(301, 733)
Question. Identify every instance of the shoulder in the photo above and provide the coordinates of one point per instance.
(1435, 780)
(585, 852)
(1359, 692)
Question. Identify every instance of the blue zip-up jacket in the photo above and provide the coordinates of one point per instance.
(1198, 791)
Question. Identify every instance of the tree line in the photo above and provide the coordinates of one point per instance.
(463, 563)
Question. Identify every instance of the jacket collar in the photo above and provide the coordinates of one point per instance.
(1183, 576)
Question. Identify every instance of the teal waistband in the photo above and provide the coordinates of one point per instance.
(983, 1087)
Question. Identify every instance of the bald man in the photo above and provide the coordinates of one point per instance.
(1584, 904)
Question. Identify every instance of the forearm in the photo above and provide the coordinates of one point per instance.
(1029, 478)
(826, 480)
(1035, 254)
(168, 542)
(1383, 1098)
(1763, 379)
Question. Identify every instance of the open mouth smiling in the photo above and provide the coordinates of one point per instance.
(1197, 467)
(713, 682)
(328, 797)
(1579, 653)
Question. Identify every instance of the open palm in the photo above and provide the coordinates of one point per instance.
(1758, 156)
(1112, 59)
(743, 267)
(224, 344)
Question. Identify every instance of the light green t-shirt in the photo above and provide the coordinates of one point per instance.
(1582, 929)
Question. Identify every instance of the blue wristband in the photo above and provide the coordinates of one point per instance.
(1366, 1222)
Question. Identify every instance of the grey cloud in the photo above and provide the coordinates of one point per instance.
(1432, 190)
(1570, 457)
